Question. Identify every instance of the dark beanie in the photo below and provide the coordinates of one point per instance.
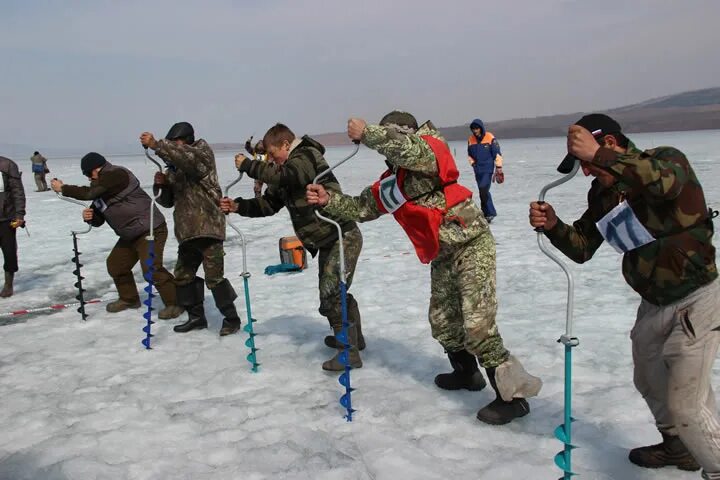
(181, 131)
(90, 162)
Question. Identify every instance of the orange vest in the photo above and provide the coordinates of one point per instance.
(422, 224)
(487, 138)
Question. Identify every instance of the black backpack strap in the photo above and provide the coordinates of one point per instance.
(436, 189)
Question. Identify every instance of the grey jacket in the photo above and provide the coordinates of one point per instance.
(118, 199)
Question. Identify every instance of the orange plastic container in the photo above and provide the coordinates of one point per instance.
(292, 251)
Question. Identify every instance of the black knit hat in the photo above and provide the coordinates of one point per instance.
(90, 162)
(599, 125)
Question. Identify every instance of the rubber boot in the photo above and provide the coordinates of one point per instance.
(465, 374)
(119, 305)
(334, 365)
(7, 290)
(500, 412)
(191, 297)
(225, 296)
(353, 317)
(671, 452)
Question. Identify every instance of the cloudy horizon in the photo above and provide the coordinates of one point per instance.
(96, 74)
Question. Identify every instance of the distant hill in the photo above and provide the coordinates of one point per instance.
(694, 110)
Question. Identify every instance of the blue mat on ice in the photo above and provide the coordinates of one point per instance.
(282, 268)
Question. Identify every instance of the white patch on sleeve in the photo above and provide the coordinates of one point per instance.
(390, 195)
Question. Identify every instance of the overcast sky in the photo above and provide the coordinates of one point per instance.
(95, 74)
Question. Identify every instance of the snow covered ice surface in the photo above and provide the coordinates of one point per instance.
(84, 400)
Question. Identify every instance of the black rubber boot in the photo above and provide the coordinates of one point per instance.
(191, 297)
(465, 374)
(353, 317)
(500, 412)
(224, 295)
(671, 452)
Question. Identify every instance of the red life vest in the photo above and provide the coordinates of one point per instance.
(422, 224)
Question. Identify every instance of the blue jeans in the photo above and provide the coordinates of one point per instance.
(484, 180)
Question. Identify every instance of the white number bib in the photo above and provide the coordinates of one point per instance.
(100, 204)
(390, 194)
(622, 229)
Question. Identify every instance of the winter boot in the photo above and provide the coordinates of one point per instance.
(500, 412)
(465, 374)
(119, 305)
(191, 297)
(170, 311)
(225, 296)
(7, 290)
(671, 452)
(334, 365)
(353, 317)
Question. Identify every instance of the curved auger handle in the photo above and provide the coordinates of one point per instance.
(76, 202)
(547, 251)
(243, 241)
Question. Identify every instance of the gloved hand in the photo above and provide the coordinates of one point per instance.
(498, 177)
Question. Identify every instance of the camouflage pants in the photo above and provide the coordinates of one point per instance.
(329, 272)
(206, 251)
(463, 303)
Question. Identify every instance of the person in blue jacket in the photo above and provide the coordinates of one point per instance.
(485, 158)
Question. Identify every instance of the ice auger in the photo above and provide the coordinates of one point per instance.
(250, 342)
(76, 258)
(150, 264)
(342, 337)
(563, 432)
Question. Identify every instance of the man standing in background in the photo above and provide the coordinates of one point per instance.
(40, 168)
(485, 158)
(12, 216)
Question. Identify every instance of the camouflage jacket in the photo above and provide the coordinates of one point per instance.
(661, 188)
(192, 187)
(464, 221)
(286, 188)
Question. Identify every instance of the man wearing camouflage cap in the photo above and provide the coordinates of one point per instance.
(449, 231)
(650, 207)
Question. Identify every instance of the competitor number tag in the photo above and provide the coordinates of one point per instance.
(622, 229)
(390, 194)
(100, 204)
